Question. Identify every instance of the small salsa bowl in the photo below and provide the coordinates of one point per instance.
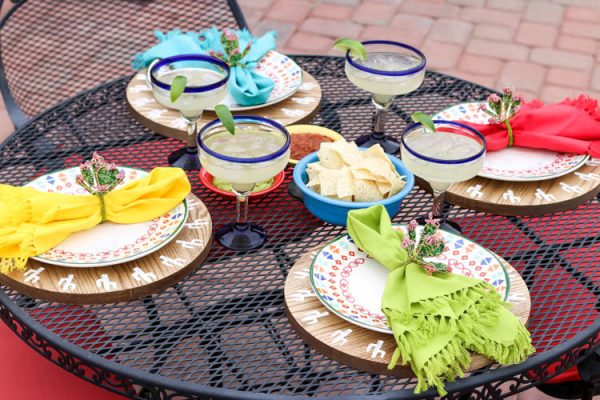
(336, 211)
(207, 180)
(315, 129)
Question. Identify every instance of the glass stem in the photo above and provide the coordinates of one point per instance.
(380, 114)
(191, 138)
(241, 205)
(192, 129)
(438, 204)
(241, 209)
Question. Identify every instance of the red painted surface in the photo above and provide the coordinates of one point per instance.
(26, 375)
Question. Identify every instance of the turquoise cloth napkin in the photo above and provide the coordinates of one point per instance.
(246, 86)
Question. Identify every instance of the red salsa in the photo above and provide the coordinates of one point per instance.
(306, 143)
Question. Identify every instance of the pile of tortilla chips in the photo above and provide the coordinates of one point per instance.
(346, 173)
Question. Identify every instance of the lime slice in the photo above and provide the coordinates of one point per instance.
(178, 85)
(355, 47)
(424, 120)
(224, 114)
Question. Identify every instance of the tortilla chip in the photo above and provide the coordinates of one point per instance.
(346, 173)
(349, 152)
(313, 170)
(397, 184)
(384, 188)
(366, 190)
(329, 156)
(374, 169)
(377, 152)
(329, 179)
(345, 186)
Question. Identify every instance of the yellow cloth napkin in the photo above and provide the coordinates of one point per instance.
(33, 222)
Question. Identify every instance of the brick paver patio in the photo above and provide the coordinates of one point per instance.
(545, 48)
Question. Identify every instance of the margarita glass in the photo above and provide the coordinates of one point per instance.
(453, 153)
(259, 150)
(206, 87)
(390, 69)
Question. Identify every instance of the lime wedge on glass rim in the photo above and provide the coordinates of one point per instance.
(177, 87)
(424, 120)
(355, 47)
(224, 114)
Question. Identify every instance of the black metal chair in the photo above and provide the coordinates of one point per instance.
(51, 50)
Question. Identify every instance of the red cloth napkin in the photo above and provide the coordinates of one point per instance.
(571, 126)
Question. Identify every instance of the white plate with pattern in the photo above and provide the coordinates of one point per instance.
(107, 243)
(515, 164)
(350, 284)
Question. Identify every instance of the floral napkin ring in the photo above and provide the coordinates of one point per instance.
(231, 44)
(98, 178)
(502, 109)
(431, 244)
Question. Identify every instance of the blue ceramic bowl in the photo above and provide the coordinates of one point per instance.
(336, 211)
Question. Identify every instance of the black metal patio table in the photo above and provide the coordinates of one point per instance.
(222, 331)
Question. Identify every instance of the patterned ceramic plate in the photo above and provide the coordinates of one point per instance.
(108, 243)
(285, 73)
(350, 284)
(516, 164)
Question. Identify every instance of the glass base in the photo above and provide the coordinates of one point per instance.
(389, 145)
(185, 158)
(447, 224)
(241, 236)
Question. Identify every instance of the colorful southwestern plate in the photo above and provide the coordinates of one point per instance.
(285, 73)
(108, 243)
(516, 164)
(350, 284)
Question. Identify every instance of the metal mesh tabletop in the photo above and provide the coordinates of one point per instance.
(222, 332)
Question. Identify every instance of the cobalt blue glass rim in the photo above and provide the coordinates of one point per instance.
(411, 71)
(190, 57)
(252, 119)
(414, 125)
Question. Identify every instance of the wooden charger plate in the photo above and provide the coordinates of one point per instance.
(353, 345)
(526, 198)
(122, 282)
(301, 107)
(521, 195)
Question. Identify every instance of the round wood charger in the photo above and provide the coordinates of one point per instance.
(353, 345)
(122, 282)
(301, 107)
(527, 198)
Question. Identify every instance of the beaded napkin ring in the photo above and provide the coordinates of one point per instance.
(431, 244)
(98, 178)
(502, 109)
(233, 55)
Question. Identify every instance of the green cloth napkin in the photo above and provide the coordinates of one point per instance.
(436, 319)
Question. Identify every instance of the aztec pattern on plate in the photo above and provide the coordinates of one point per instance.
(350, 284)
(515, 163)
(107, 243)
